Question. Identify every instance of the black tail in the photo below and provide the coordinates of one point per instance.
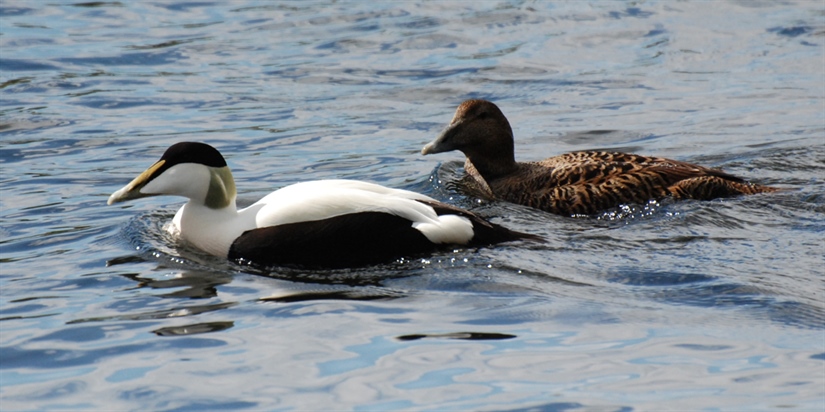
(484, 232)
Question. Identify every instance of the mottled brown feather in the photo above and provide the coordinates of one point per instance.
(573, 183)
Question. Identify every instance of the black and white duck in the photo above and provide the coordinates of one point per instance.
(323, 223)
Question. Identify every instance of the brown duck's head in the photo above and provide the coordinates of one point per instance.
(477, 126)
(481, 132)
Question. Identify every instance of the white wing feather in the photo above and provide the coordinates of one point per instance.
(322, 199)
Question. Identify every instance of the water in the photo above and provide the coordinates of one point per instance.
(690, 306)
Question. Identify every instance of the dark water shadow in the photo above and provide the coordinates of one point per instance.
(567, 406)
(718, 292)
(178, 311)
(189, 284)
(356, 294)
(193, 329)
(458, 335)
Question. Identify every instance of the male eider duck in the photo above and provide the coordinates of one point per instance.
(324, 223)
(577, 183)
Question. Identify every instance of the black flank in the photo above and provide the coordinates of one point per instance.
(352, 240)
(343, 241)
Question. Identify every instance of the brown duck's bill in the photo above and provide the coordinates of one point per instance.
(430, 148)
(445, 141)
(438, 145)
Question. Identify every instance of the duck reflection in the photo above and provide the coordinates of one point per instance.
(192, 284)
(458, 335)
(193, 329)
(337, 293)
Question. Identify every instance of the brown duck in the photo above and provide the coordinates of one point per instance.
(577, 183)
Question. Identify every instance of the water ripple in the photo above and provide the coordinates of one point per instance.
(701, 304)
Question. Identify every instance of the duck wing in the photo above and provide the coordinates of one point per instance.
(587, 166)
(594, 195)
(589, 182)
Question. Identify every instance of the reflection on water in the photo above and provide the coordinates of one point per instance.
(697, 304)
(350, 294)
(180, 311)
(193, 285)
(193, 329)
(458, 335)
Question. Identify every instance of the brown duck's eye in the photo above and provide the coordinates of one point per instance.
(483, 115)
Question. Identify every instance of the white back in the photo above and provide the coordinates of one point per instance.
(322, 199)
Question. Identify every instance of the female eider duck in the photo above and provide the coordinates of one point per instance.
(577, 183)
(324, 223)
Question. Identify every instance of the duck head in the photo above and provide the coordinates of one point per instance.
(193, 170)
(479, 130)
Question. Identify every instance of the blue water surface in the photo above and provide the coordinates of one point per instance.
(668, 306)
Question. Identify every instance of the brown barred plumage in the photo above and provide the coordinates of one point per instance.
(573, 183)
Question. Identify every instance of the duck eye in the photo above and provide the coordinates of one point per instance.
(483, 115)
